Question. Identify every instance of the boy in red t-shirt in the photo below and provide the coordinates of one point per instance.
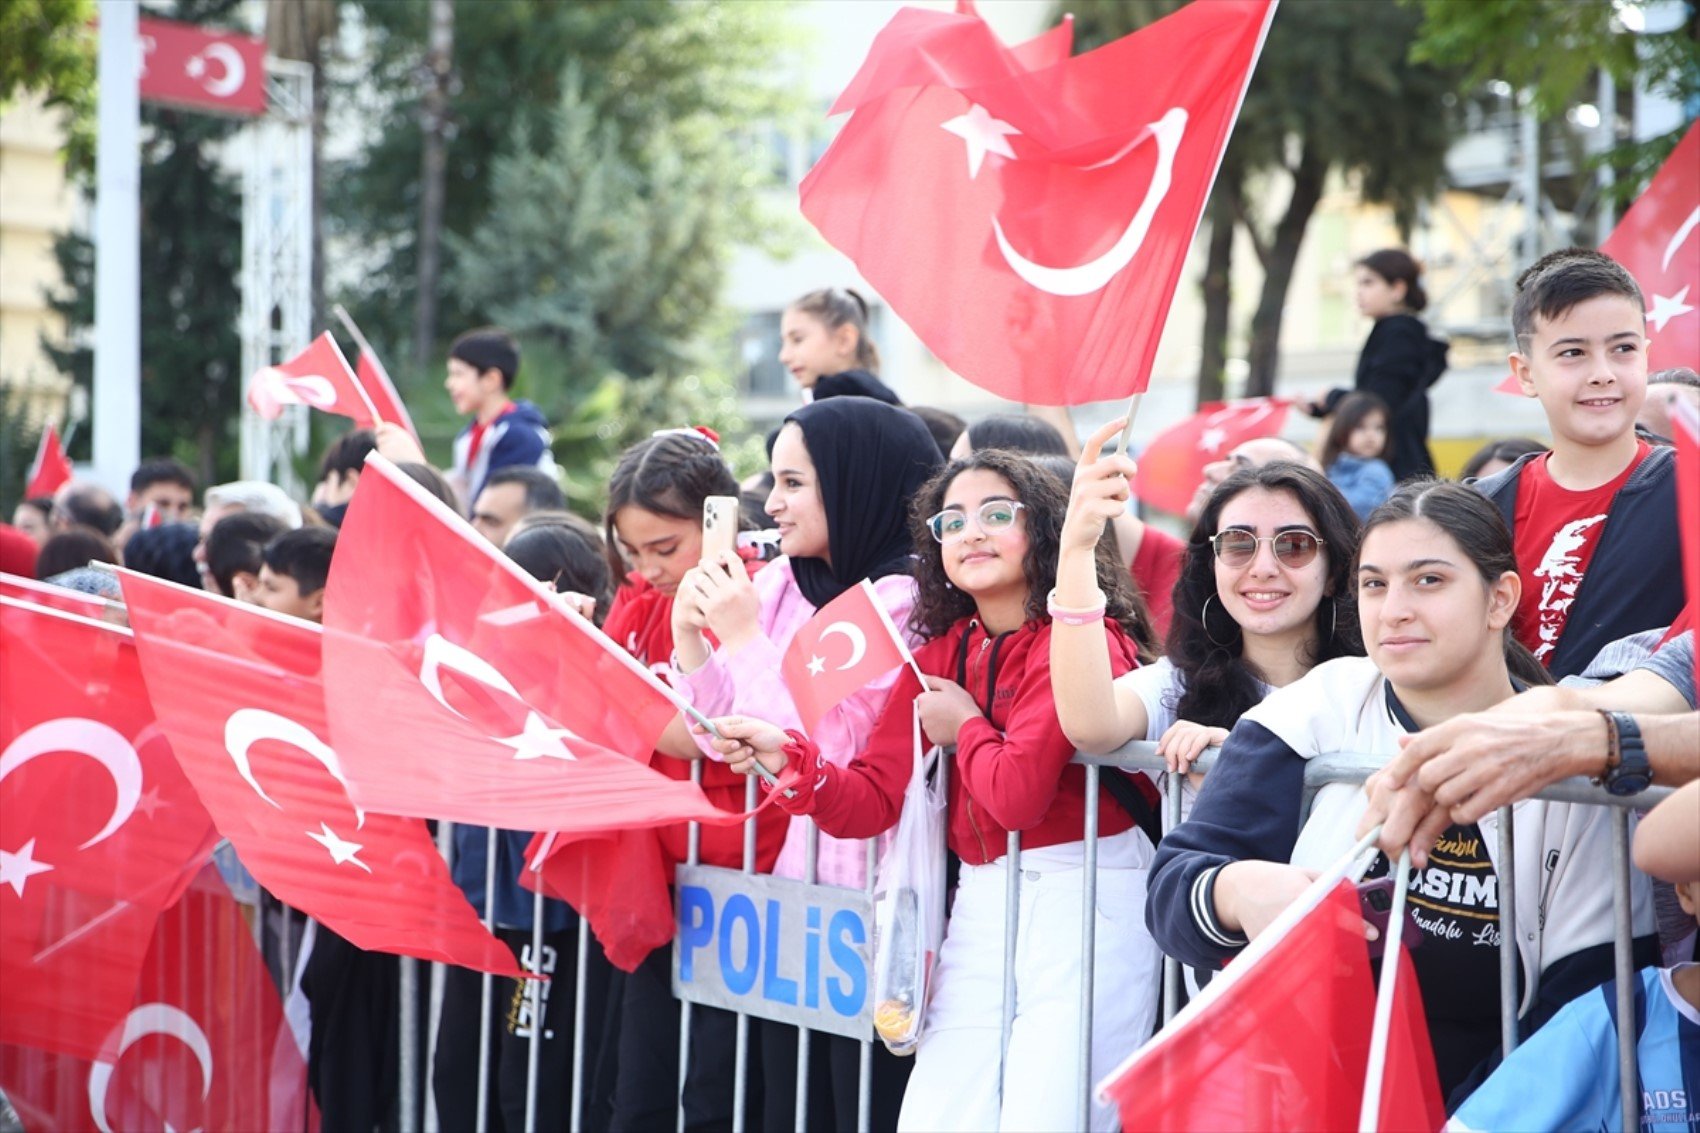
(1593, 519)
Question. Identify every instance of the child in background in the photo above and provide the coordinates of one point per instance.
(1567, 1075)
(1356, 451)
(986, 534)
(824, 342)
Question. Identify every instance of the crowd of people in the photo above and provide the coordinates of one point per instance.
(1487, 638)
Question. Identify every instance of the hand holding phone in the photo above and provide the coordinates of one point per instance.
(720, 516)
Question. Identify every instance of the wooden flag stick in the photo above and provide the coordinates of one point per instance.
(1127, 429)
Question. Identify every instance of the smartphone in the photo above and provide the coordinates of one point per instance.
(720, 516)
(1375, 901)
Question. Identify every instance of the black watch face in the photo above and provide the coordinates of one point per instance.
(1630, 783)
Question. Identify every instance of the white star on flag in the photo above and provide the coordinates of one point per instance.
(341, 849)
(817, 665)
(150, 803)
(539, 739)
(18, 868)
(1668, 307)
(983, 133)
(1210, 440)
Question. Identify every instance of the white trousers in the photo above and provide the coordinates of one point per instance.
(958, 1083)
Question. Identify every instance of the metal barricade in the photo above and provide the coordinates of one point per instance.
(1319, 772)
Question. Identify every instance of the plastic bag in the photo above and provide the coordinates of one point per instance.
(909, 909)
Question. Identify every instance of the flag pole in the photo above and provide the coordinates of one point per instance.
(1132, 412)
(353, 330)
(365, 398)
(1369, 1113)
(897, 638)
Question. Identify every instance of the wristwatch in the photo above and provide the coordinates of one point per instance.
(1628, 771)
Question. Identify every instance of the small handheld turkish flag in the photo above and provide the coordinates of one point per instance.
(848, 643)
(374, 379)
(239, 691)
(50, 468)
(319, 378)
(1172, 465)
(1057, 205)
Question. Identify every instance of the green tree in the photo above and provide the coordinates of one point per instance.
(1333, 94)
(1553, 49)
(47, 47)
(191, 248)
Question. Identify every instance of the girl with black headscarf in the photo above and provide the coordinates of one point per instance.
(845, 471)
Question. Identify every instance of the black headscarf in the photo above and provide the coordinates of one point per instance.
(870, 459)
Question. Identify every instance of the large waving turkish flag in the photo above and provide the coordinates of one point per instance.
(240, 692)
(99, 830)
(458, 688)
(1031, 225)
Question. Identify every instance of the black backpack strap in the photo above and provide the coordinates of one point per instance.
(1132, 800)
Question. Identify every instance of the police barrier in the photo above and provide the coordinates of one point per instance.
(800, 953)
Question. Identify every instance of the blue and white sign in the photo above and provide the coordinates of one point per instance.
(776, 949)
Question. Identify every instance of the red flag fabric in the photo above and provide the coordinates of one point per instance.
(1031, 228)
(240, 692)
(1283, 1043)
(200, 1045)
(1172, 465)
(1658, 240)
(617, 881)
(386, 401)
(1685, 424)
(957, 49)
(318, 378)
(1043, 50)
(821, 672)
(461, 689)
(50, 468)
(98, 828)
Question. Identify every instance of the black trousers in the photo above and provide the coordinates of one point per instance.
(510, 1024)
(353, 1054)
(835, 1066)
(641, 1057)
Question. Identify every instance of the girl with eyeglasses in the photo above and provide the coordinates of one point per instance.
(1437, 586)
(986, 536)
(844, 472)
(1263, 596)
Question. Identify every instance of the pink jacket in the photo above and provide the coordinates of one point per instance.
(747, 683)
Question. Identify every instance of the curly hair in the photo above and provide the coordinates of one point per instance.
(940, 605)
(1218, 683)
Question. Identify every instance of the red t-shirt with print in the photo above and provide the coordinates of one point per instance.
(1556, 532)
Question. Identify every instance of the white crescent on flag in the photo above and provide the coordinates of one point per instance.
(97, 741)
(229, 59)
(248, 726)
(150, 1019)
(853, 634)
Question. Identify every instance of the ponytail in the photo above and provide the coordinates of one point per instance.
(836, 307)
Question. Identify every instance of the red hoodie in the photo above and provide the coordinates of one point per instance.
(1011, 771)
(641, 619)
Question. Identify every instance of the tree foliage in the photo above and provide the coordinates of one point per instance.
(48, 48)
(1333, 93)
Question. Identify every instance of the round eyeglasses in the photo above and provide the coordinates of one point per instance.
(1236, 548)
(992, 516)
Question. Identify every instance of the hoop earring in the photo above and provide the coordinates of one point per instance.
(1204, 619)
(1333, 619)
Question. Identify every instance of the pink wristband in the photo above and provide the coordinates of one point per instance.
(1073, 617)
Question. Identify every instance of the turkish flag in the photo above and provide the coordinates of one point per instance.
(1172, 465)
(959, 49)
(1031, 226)
(1658, 240)
(50, 468)
(240, 692)
(1686, 425)
(386, 401)
(1280, 1040)
(461, 689)
(821, 672)
(617, 880)
(318, 378)
(200, 1045)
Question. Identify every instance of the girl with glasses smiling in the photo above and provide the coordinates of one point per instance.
(986, 536)
(1263, 596)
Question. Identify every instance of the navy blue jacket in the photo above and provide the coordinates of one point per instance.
(1634, 581)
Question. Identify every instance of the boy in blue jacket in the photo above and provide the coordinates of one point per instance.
(503, 432)
(1591, 519)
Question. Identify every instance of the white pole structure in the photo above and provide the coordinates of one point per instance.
(117, 414)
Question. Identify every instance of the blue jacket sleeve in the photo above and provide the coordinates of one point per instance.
(1248, 810)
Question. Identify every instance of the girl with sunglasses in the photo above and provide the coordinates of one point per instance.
(844, 472)
(1437, 586)
(986, 536)
(1262, 598)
